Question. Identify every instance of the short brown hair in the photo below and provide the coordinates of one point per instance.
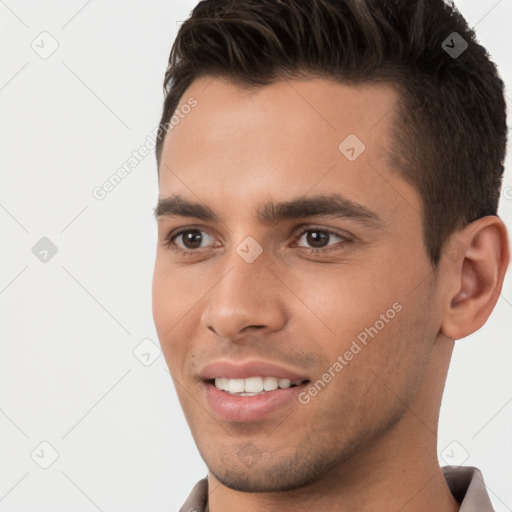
(450, 128)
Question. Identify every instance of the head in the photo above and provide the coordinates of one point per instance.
(344, 119)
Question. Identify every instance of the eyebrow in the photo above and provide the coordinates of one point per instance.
(333, 205)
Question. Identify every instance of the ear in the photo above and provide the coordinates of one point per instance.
(475, 260)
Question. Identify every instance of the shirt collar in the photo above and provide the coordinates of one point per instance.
(467, 485)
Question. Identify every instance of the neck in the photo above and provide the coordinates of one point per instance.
(399, 471)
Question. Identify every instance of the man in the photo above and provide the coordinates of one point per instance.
(329, 173)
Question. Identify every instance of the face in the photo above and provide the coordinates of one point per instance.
(332, 283)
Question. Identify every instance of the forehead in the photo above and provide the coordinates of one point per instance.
(294, 108)
(290, 136)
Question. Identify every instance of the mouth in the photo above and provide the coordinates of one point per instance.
(244, 401)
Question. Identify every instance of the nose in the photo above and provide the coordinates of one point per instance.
(247, 297)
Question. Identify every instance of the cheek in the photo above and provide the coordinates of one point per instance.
(169, 300)
(161, 300)
(166, 311)
(175, 316)
(376, 380)
(372, 321)
(345, 301)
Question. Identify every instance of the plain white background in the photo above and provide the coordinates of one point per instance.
(69, 326)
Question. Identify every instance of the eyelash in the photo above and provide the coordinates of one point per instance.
(168, 241)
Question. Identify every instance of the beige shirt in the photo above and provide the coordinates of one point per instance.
(465, 482)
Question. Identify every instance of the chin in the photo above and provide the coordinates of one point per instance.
(249, 471)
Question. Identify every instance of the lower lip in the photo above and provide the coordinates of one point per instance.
(250, 408)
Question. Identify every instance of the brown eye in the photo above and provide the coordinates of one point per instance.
(319, 238)
(191, 239)
(187, 240)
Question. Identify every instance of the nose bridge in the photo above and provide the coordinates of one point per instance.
(244, 296)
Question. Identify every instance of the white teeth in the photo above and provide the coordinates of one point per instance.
(270, 383)
(284, 383)
(222, 383)
(236, 385)
(253, 385)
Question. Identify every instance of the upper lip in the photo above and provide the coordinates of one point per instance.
(243, 370)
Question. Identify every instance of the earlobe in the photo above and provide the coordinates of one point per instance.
(476, 259)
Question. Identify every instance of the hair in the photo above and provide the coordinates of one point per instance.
(449, 127)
